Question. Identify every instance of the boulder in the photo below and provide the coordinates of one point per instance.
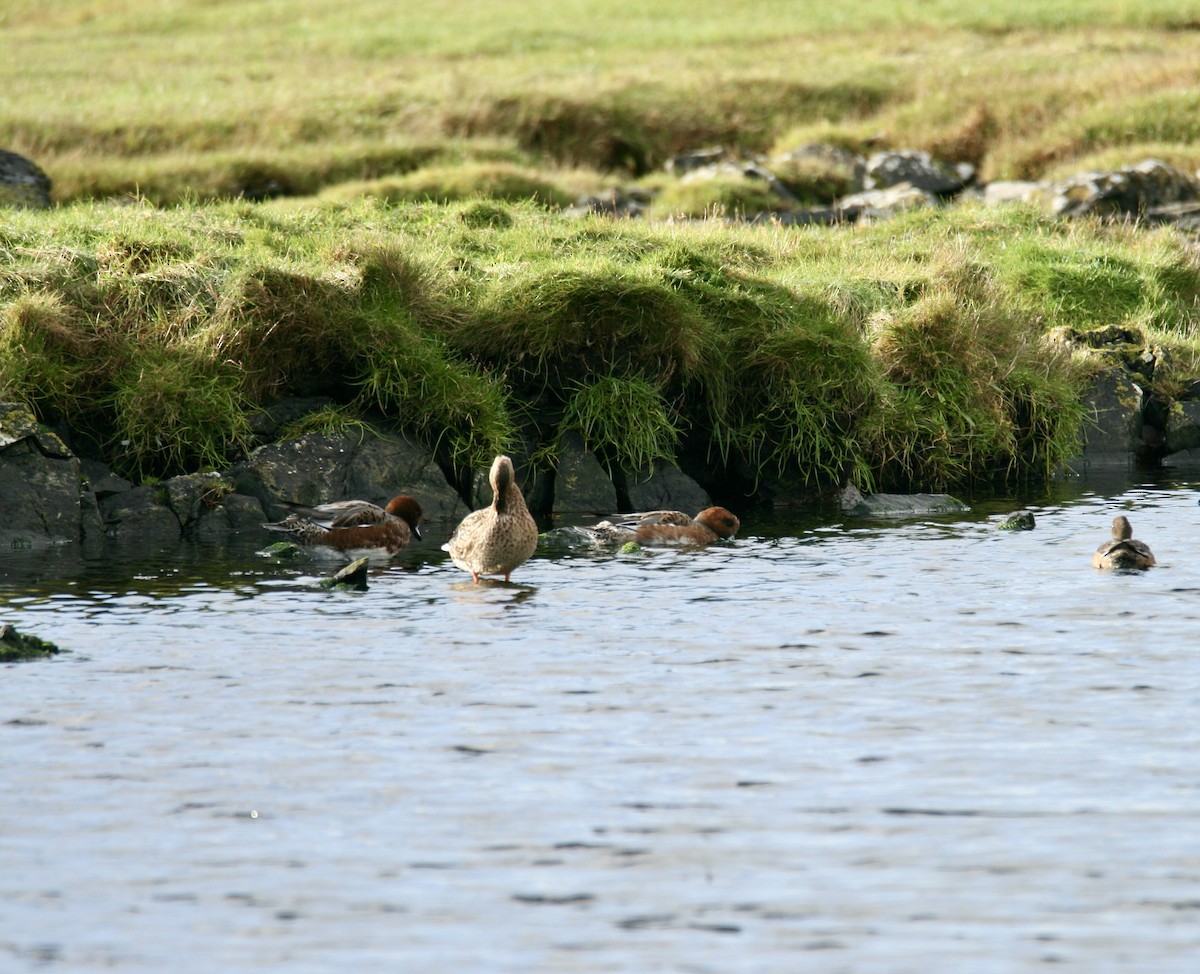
(321, 467)
(141, 514)
(581, 485)
(1113, 430)
(1129, 192)
(855, 503)
(40, 483)
(1182, 430)
(22, 182)
(877, 203)
(663, 488)
(916, 169)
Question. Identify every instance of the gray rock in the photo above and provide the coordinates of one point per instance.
(1183, 426)
(22, 182)
(141, 515)
(917, 169)
(855, 503)
(884, 202)
(581, 485)
(1131, 191)
(40, 483)
(1113, 430)
(321, 467)
(664, 488)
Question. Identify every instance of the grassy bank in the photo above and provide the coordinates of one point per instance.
(190, 99)
(906, 354)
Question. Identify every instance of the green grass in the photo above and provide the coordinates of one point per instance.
(201, 100)
(906, 354)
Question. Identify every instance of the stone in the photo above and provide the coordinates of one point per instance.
(1182, 426)
(23, 183)
(1021, 521)
(852, 501)
(141, 514)
(916, 169)
(665, 488)
(884, 202)
(1113, 429)
(40, 483)
(320, 467)
(1128, 192)
(581, 485)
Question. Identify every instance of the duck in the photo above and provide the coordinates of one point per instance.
(1123, 551)
(666, 528)
(354, 528)
(496, 539)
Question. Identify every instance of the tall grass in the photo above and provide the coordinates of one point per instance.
(291, 97)
(906, 354)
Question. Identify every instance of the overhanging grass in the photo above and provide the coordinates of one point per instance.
(903, 355)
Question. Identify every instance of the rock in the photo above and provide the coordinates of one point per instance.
(267, 423)
(22, 183)
(1182, 430)
(829, 157)
(855, 503)
(664, 488)
(320, 467)
(698, 159)
(1010, 191)
(19, 646)
(141, 514)
(1114, 407)
(882, 203)
(1021, 521)
(40, 483)
(581, 485)
(916, 169)
(1128, 192)
(630, 202)
(353, 576)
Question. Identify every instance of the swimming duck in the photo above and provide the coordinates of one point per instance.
(1122, 551)
(354, 528)
(494, 540)
(666, 528)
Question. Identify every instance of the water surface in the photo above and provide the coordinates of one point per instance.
(833, 745)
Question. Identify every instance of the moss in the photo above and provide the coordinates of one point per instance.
(16, 646)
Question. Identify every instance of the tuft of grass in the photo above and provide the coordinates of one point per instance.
(719, 195)
(330, 420)
(465, 181)
(626, 420)
(176, 410)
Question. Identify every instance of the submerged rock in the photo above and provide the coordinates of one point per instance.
(852, 501)
(353, 576)
(1020, 521)
(18, 646)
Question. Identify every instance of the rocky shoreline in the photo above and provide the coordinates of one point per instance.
(49, 495)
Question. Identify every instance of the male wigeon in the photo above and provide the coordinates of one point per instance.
(667, 528)
(494, 540)
(354, 529)
(1123, 551)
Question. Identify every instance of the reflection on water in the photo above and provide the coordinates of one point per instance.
(912, 745)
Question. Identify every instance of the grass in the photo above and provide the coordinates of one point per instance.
(414, 267)
(287, 97)
(906, 354)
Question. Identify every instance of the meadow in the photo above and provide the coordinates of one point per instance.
(280, 198)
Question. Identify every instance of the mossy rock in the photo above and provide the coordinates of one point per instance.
(18, 646)
(1021, 521)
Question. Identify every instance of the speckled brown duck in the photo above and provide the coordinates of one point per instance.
(1123, 551)
(354, 528)
(667, 528)
(494, 540)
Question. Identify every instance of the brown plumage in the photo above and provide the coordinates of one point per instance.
(667, 527)
(1123, 551)
(499, 538)
(354, 528)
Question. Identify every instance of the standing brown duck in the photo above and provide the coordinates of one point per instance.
(495, 539)
(1123, 551)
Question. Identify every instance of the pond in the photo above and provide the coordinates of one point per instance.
(911, 745)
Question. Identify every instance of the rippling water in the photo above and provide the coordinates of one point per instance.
(863, 746)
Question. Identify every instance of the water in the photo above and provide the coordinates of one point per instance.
(920, 745)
